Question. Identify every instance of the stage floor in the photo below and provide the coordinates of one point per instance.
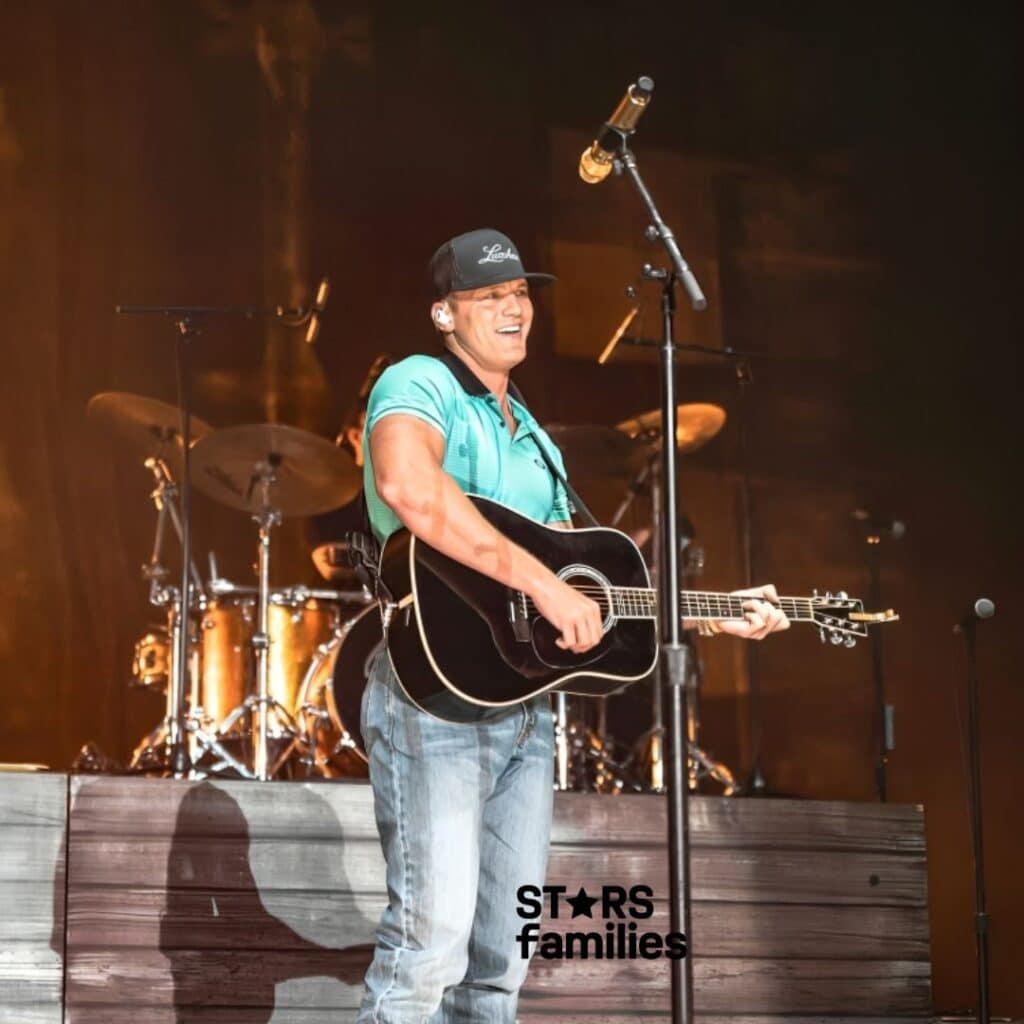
(129, 899)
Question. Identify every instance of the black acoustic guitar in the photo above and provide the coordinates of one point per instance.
(465, 647)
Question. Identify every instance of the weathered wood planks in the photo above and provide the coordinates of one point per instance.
(33, 815)
(239, 903)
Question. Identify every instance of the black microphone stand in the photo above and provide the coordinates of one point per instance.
(673, 662)
(883, 716)
(756, 783)
(967, 626)
(185, 319)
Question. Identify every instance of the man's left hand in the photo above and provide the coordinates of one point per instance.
(762, 612)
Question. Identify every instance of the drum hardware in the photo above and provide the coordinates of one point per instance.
(632, 452)
(186, 321)
(151, 660)
(270, 471)
(293, 595)
(583, 754)
(339, 562)
(561, 715)
(156, 654)
(331, 696)
(647, 756)
(152, 753)
(262, 705)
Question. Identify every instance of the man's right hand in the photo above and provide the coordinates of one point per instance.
(575, 616)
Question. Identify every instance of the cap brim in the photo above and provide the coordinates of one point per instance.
(502, 278)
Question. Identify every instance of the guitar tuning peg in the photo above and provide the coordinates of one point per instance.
(837, 639)
(842, 595)
(821, 634)
(850, 641)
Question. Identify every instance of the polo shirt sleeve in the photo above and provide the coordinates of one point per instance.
(417, 386)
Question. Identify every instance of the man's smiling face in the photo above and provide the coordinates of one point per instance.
(491, 324)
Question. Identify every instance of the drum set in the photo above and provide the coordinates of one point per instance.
(275, 675)
(261, 696)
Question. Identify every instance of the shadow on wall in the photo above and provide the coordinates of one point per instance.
(224, 947)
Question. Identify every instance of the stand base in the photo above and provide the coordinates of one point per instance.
(647, 766)
(590, 765)
(283, 734)
(153, 755)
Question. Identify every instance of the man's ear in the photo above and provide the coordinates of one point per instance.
(354, 436)
(442, 317)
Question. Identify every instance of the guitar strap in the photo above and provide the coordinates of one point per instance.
(577, 503)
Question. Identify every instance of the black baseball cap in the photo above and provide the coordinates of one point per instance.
(475, 260)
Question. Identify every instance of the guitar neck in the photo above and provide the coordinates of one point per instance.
(641, 603)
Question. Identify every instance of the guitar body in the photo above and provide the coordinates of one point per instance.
(465, 648)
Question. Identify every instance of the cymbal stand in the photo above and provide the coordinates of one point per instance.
(156, 751)
(261, 706)
(561, 742)
(648, 750)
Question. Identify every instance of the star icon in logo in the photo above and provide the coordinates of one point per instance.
(581, 903)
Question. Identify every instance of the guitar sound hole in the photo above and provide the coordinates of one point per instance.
(596, 590)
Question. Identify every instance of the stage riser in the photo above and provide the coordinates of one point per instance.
(233, 902)
(33, 832)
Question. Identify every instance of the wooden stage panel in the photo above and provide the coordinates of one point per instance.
(191, 896)
(239, 903)
(33, 815)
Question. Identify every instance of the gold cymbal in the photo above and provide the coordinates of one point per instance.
(146, 427)
(696, 424)
(291, 470)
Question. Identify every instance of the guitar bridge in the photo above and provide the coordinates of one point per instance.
(517, 616)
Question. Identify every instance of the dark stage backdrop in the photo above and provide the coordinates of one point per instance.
(844, 185)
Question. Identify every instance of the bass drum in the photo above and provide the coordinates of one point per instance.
(332, 694)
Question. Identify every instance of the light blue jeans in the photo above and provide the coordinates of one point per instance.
(464, 815)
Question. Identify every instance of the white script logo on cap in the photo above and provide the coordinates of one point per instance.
(495, 254)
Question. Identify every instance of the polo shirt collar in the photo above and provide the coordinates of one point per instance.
(472, 384)
(469, 381)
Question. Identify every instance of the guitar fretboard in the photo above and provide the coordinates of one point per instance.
(642, 603)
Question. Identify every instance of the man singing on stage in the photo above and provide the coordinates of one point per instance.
(464, 811)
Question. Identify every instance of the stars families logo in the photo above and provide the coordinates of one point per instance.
(618, 909)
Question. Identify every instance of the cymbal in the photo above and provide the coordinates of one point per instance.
(696, 424)
(592, 451)
(145, 426)
(306, 473)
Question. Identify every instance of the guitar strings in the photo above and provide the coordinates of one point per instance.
(698, 602)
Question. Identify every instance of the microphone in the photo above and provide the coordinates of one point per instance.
(876, 528)
(319, 304)
(596, 161)
(982, 608)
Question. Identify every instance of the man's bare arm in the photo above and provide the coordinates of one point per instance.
(407, 455)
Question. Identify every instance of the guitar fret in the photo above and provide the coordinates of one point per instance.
(642, 602)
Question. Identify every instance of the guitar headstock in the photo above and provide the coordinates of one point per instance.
(841, 619)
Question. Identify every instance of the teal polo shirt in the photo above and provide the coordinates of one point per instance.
(479, 452)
